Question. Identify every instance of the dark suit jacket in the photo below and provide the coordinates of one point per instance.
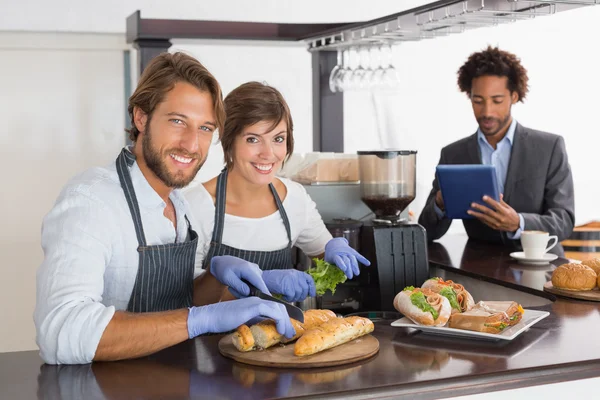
(539, 186)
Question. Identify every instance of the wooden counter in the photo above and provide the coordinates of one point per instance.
(409, 365)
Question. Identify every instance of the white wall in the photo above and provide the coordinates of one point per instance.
(62, 111)
(108, 16)
(62, 105)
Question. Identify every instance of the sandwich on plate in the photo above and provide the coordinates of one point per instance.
(488, 317)
(423, 306)
(460, 299)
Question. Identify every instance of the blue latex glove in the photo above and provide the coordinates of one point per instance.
(294, 285)
(228, 315)
(231, 270)
(338, 252)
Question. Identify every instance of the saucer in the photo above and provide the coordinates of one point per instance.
(545, 259)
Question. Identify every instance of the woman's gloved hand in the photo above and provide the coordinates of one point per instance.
(338, 252)
(231, 270)
(294, 285)
(228, 315)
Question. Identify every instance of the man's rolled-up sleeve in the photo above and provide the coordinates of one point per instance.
(69, 316)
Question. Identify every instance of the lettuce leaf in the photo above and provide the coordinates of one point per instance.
(327, 276)
(450, 294)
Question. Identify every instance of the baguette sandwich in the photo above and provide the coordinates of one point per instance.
(264, 334)
(460, 299)
(488, 317)
(332, 333)
(423, 306)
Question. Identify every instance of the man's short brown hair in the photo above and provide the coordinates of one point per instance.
(494, 62)
(161, 75)
(249, 104)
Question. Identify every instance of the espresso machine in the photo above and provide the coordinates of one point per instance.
(371, 215)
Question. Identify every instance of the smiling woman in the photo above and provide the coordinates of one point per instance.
(248, 212)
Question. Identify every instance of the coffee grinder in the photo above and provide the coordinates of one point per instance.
(396, 247)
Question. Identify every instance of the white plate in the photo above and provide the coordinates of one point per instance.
(520, 256)
(530, 318)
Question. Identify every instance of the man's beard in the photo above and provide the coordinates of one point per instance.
(155, 161)
(502, 123)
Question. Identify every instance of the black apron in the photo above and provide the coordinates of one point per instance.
(277, 259)
(165, 276)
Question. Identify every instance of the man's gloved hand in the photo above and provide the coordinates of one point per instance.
(228, 315)
(231, 270)
(338, 252)
(294, 285)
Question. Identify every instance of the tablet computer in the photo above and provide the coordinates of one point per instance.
(462, 185)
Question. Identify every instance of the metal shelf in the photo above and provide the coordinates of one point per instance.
(439, 19)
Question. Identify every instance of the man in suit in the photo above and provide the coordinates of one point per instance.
(533, 172)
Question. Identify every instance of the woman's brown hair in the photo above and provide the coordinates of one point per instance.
(249, 104)
(161, 75)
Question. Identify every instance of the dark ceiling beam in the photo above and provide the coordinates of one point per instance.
(150, 29)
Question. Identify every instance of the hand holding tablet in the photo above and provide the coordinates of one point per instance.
(464, 186)
(471, 191)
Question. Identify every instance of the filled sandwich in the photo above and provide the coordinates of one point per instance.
(460, 299)
(423, 306)
(488, 317)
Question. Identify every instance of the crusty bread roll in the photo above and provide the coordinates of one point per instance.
(242, 338)
(594, 264)
(576, 277)
(463, 297)
(312, 319)
(332, 333)
(439, 306)
(264, 334)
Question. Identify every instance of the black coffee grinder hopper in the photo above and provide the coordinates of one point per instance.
(396, 247)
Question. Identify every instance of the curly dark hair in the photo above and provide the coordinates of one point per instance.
(496, 62)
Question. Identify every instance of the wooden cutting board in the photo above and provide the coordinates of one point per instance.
(282, 356)
(593, 295)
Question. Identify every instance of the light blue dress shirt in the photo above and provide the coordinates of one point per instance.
(499, 158)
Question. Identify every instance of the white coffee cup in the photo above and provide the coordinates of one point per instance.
(534, 243)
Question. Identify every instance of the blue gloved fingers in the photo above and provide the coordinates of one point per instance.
(338, 260)
(295, 290)
(278, 313)
(238, 288)
(360, 257)
(354, 265)
(251, 275)
(231, 270)
(255, 320)
(348, 261)
(303, 285)
(312, 289)
(237, 294)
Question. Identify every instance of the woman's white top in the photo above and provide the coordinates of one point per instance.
(264, 234)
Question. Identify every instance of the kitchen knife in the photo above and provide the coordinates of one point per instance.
(293, 311)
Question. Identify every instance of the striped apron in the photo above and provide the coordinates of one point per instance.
(277, 259)
(165, 276)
